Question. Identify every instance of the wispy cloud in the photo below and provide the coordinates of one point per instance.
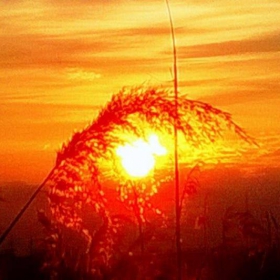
(266, 43)
(78, 74)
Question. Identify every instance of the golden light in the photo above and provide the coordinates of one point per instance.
(138, 158)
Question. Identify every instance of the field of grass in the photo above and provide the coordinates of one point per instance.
(229, 243)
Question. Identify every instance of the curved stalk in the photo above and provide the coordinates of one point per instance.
(176, 162)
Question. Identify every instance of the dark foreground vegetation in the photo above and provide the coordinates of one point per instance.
(126, 229)
(215, 263)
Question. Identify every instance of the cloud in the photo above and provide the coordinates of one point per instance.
(266, 43)
(232, 97)
(78, 74)
(159, 30)
(269, 159)
(39, 50)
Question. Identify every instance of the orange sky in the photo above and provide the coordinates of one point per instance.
(61, 60)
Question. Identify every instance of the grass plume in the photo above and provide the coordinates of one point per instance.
(76, 179)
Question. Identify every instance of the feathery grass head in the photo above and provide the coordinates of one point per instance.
(133, 111)
(197, 121)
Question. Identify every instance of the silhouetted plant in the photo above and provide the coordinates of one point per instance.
(191, 184)
(249, 231)
(77, 178)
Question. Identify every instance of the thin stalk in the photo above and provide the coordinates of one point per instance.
(205, 213)
(24, 208)
(138, 217)
(176, 162)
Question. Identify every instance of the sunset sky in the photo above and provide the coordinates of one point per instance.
(60, 61)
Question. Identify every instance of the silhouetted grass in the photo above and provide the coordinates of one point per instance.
(76, 183)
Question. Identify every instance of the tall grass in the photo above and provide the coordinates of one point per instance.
(76, 180)
(76, 184)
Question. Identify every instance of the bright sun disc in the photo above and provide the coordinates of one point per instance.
(138, 158)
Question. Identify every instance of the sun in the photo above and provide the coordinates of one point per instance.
(138, 158)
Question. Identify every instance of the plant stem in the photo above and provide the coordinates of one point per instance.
(176, 162)
(24, 208)
(138, 216)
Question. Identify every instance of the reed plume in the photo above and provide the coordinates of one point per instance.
(76, 179)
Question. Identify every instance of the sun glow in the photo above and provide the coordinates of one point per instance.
(138, 158)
